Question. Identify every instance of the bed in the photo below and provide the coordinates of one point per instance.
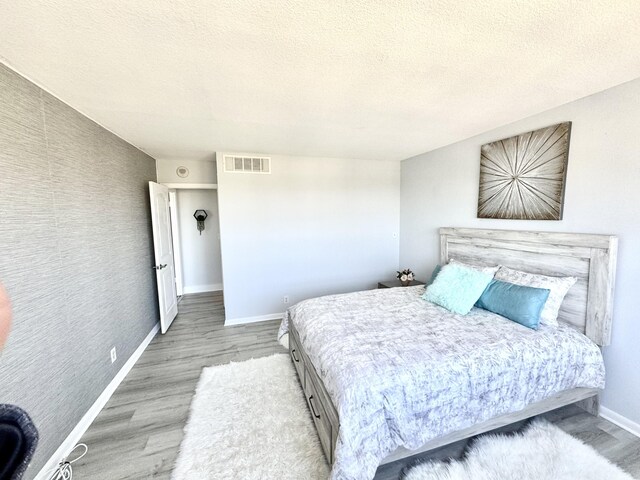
(366, 359)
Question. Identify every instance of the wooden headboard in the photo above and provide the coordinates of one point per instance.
(591, 258)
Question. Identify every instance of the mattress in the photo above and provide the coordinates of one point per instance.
(402, 371)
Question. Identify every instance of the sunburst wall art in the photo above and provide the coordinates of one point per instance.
(523, 177)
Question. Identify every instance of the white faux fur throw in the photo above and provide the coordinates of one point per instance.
(541, 452)
(249, 420)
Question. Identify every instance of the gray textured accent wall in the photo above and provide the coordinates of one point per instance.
(76, 251)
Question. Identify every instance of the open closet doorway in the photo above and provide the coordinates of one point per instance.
(196, 244)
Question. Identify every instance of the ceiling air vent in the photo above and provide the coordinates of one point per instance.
(242, 164)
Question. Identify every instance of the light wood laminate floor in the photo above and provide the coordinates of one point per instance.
(138, 434)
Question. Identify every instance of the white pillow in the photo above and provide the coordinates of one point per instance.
(558, 288)
(488, 270)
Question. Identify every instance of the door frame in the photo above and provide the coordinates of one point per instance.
(175, 239)
(175, 226)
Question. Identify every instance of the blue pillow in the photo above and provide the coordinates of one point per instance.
(457, 288)
(515, 302)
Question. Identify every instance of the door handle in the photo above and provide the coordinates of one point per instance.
(159, 267)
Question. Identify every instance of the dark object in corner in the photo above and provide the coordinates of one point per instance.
(18, 441)
(396, 283)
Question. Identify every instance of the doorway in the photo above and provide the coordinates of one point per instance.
(197, 256)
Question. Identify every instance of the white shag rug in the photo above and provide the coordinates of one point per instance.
(249, 420)
(541, 452)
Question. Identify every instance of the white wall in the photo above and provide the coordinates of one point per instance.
(440, 188)
(313, 226)
(200, 254)
(200, 171)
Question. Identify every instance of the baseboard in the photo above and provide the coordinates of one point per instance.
(622, 422)
(76, 434)
(259, 318)
(214, 287)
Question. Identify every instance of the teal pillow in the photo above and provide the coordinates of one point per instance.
(515, 302)
(435, 273)
(457, 288)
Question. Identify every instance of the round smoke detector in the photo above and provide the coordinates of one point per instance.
(182, 172)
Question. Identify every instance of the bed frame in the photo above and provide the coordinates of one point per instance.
(587, 307)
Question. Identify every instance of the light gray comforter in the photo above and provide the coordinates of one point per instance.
(401, 371)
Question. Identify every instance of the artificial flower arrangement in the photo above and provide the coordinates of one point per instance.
(405, 276)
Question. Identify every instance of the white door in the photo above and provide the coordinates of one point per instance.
(163, 248)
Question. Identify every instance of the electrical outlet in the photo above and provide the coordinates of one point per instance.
(113, 355)
(285, 299)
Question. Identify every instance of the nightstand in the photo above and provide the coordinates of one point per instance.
(396, 283)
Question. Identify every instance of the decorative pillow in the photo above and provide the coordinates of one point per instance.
(557, 286)
(457, 288)
(518, 303)
(435, 273)
(482, 268)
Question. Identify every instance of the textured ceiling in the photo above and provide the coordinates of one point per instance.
(374, 79)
